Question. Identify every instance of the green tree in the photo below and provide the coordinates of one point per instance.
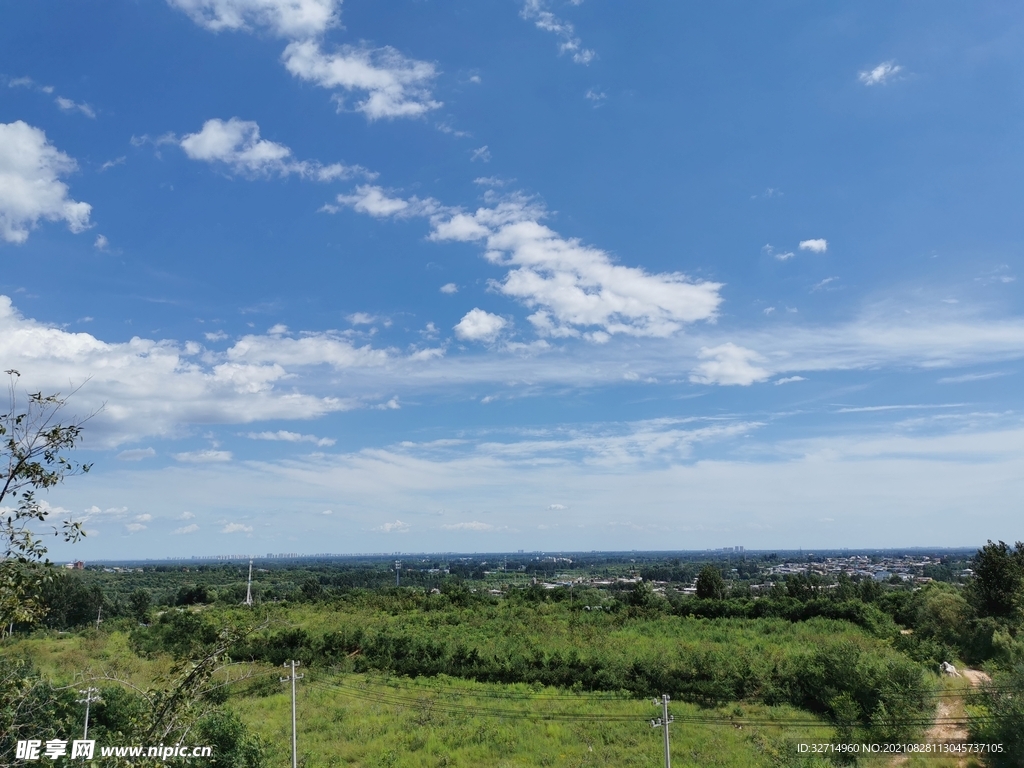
(710, 584)
(139, 603)
(998, 582)
(942, 613)
(33, 447)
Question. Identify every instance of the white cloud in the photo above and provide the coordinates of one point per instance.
(571, 286)
(236, 528)
(483, 154)
(191, 528)
(376, 202)
(286, 18)
(537, 12)
(135, 527)
(67, 105)
(30, 186)
(276, 350)
(237, 144)
(816, 245)
(101, 243)
(595, 96)
(871, 477)
(143, 518)
(186, 516)
(396, 527)
(361, 318)
(215, 336)
(136, 454)
(291, 437)
(968, 377)
(789, 380)
(729, 364)
(557, 507)
(395, 86)
(449, 288)
(113, 163)
(390, 405)
(203, 457)
(327, 512)
(474, 525)
(769, 250)
(478, 325)
(823, 283)
(880, 74)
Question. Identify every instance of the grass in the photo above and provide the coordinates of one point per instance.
(363, 720)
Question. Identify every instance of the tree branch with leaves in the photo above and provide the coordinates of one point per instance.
(34, 442)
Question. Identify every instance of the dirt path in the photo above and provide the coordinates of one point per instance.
(951, 708)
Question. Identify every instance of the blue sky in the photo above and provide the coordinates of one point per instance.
(522, 274)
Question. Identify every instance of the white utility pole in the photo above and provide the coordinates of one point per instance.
(90, 697)
(663, 721)
(248, 587)
(293, 677)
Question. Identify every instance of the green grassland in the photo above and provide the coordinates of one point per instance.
(406, 678)
(456, 672)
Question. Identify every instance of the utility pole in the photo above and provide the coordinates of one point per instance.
(663, 721)
(91, 695)
(248, 587)
(99, 617)
(293, 677)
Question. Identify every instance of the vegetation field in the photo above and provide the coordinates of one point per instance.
(481, 669)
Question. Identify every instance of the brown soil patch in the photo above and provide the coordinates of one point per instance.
(951, 708)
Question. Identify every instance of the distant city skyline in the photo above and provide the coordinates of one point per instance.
(538, 274)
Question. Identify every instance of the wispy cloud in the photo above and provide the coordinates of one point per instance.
(881, 74)
(203, 457)
(392, 85)
(282, 435)
(285, 18)
(396, 527)
(68, 105)
(473, 525)
(769, 250)
(537, 12)
(395, 86)
(822, 284)
(968, 377)
(136, 454)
